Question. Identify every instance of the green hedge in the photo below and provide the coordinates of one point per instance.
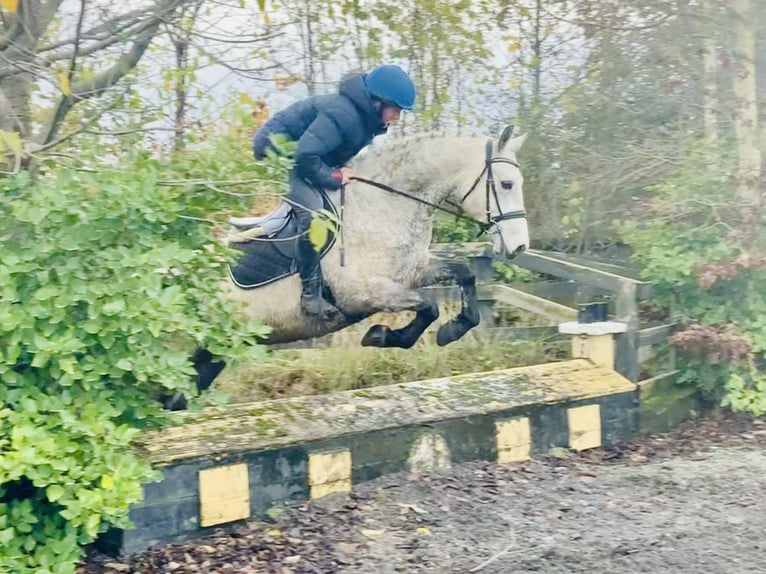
(107, 283)
(703, 246)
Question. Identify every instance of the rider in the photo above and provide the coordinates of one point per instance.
(330, 130)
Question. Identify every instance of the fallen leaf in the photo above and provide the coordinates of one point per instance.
(371, 534)
(416, 509)
(119, 566)
(559, 452)
(346, 548)
(275, 512)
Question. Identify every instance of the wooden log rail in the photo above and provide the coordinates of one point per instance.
(230, 463)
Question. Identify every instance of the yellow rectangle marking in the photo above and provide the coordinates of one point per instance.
(513, 439)
(329, 472)
(584, 427)
(320, 490)
(597, 348)
(224, 494)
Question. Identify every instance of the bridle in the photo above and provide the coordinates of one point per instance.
(491, 192)
(488, 162)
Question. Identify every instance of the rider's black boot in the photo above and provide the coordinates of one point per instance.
(312, 301)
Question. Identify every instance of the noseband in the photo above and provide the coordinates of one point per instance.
(490, 187)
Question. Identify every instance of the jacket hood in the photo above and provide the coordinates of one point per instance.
(352, 86)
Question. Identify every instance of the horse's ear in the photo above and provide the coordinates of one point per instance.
(505, 135)
(515, 144)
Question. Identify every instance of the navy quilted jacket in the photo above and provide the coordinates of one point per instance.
(330, 130)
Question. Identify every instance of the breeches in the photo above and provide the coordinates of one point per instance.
(305, 199)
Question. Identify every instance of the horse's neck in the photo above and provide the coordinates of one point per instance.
(433, 169)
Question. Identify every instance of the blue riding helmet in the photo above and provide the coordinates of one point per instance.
(392, 85)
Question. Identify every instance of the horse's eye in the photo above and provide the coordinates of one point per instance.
(506, 184)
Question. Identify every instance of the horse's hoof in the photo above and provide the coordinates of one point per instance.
(376, 336)
(174, 402)
(448, 333)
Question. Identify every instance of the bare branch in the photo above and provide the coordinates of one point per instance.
(133, 29)
(115, 133)
(184, 182)
(590, 24)
(249, 71)
(90, 121)
(102, 31)
(73, 61)
(84, 90)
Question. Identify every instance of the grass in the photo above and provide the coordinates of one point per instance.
(346, 365)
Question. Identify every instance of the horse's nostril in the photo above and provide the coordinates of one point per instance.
(515, 252)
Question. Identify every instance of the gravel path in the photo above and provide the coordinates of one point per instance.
(688, 502)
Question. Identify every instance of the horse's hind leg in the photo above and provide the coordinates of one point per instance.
(207, 369)
(426, 312)
(469, 315)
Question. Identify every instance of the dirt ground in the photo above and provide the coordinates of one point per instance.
(691, 501)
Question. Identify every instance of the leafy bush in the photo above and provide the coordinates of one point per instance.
(449, 229)
(107, 283)
(704, 249)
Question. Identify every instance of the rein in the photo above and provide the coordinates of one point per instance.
(490, 188)
(390, 189)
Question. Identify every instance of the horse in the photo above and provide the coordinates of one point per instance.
(380, 259)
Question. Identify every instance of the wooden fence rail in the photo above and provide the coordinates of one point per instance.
(619, 282)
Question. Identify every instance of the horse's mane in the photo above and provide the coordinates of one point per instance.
(421, 157)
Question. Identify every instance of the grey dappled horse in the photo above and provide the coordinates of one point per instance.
(386, 239)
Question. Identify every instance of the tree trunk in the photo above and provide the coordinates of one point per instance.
(15, 95)
(182, 57)
(710, 102)
(537, 50)
(20, 35)
(709, 92)
(310, 54)
(745, 105)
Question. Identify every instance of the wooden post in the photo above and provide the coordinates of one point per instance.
(626, 308)
(594, 341)
(485, 275)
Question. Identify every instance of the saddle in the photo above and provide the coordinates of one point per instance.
(247, 228)
(269, 245)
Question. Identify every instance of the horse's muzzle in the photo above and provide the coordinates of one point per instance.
(520, 249)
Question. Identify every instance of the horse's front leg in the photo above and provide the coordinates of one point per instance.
(469, 315)
(426, 312)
